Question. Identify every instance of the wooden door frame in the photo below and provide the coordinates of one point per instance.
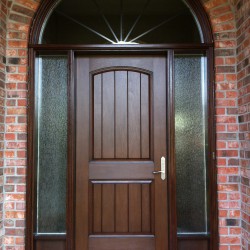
(71, 51)
(46, 7)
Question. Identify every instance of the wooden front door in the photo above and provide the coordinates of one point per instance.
(120, 138)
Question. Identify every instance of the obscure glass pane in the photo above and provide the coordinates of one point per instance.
(120, 21)
(191, 137)
(51, 140)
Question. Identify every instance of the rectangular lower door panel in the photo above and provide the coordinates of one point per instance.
(121, 207)
(141, 242)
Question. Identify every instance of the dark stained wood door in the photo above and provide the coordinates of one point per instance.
(120, 139)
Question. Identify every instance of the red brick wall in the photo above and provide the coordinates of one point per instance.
(223, 23)
(230, 148)
(19, 19)
(3, 15)
(243, 77)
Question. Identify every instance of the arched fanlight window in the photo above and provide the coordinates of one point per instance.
(121, 22)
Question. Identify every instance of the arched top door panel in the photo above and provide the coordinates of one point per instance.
(121, 113)
(121, 22)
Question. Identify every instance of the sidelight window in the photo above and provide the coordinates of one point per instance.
(51, 142)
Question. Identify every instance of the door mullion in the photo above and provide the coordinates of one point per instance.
(171, 152)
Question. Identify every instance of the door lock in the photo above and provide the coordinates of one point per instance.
(163, 169)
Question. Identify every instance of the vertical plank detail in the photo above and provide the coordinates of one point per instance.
(121, 208)
(108, 144)
(97, 208)
(145, 116)
(108, 211)
(146, 228)
(135, 222)
(134, 110)
(121, 114)
(97, 115)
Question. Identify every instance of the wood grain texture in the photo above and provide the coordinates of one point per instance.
(50, 244)
(82, 154)
(135, 210)
(108, 115)
(146, 208)
(193, 244)
(160, 149)
(122, 243)
(97, 91)
(97, 208)
(108, 208)
(121, 114)
(121, 207)
(134, 115)
(121, 170)
(145, 116)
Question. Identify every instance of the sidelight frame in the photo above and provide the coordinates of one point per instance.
(150, 49)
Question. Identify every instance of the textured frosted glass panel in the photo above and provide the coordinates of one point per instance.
(190, 126)
(51, 96)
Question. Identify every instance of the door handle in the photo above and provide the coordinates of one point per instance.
(163, 169)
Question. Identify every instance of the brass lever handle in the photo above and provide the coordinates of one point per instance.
(163, 169)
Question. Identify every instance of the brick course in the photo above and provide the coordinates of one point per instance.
(230, 23)
(243, 80)
(225, 37)
(3, 17)
(18, 25)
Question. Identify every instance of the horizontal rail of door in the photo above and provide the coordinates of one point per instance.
(99, 170)
(121, 242)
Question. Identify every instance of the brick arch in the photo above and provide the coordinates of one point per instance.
(19, 14)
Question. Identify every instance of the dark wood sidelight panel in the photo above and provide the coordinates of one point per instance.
(50, 244)
(193, 243)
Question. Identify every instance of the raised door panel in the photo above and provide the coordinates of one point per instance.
(121, 115)
(121, 207)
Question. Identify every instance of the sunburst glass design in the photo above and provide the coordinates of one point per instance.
(119, 39)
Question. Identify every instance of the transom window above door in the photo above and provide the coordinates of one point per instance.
(121, 22)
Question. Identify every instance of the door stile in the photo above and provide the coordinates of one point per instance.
(31, 171)
(82, 155)
(213, 197)
(160, 137)
(70, 211)
(171, 152)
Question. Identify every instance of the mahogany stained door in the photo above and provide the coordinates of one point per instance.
(120, 139)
